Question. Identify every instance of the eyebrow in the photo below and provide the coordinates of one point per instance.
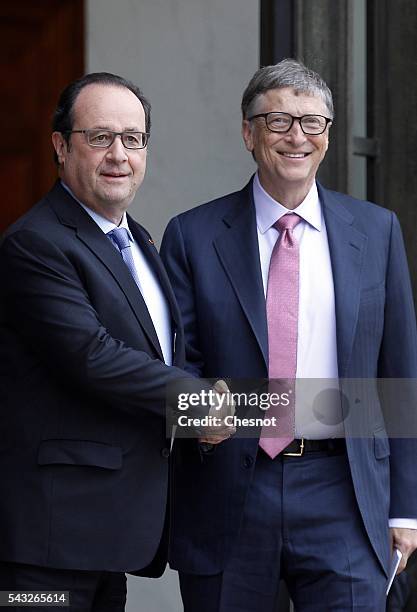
(127, 129)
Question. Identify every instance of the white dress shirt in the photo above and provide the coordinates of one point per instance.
(316, 343)
(149, 285)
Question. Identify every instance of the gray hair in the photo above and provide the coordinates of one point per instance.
(287, 73)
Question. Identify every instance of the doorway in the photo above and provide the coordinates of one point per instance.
(42, 49)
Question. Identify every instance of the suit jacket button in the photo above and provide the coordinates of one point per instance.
(248, 461)
(165, 453)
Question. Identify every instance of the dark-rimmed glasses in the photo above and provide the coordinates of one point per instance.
(104, 139)
(312, 125)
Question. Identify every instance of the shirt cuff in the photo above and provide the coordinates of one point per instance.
(403, 522)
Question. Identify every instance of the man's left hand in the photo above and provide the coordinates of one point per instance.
(406, 541)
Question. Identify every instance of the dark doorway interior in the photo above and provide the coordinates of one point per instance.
(42, 49)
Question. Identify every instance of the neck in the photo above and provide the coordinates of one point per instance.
(114, 215)
(289, 196)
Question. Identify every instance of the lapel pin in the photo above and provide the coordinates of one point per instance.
(151, 241)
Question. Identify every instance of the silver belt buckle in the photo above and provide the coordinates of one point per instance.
(300, 452)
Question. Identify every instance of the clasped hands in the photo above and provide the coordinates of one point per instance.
(219, 431)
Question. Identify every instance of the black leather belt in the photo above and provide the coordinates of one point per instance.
(298, 448)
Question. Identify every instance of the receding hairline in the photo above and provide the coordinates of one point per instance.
(107, 86)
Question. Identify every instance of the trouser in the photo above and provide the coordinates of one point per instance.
(302, 524)
(88, 591)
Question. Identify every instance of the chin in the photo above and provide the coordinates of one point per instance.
(292, 177)
(116, 196)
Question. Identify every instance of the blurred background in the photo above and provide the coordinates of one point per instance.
(193, 59)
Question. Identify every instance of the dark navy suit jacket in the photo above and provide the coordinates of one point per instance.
(83, 448)
(212, 257)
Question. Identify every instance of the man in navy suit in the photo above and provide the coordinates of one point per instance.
(90, 335)
(322, 513)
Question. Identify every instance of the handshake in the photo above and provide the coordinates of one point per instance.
(219, 410)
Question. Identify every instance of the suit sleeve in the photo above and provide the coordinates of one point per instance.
(398, 360)
(45, 302)
(174, 256)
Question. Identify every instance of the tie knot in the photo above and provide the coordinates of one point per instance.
(287, 222)
(120, 237)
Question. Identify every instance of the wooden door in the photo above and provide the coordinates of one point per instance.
(42, 49)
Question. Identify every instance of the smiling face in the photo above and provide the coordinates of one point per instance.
(287, 162)
(105, 180)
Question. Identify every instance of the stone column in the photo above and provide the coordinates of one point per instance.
(322, 40)
(393, 113)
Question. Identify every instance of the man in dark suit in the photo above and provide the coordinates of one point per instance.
(286, 279)
(90, 336)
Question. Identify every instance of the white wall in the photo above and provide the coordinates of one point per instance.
(193, 59)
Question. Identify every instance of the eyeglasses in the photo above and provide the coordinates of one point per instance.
(104, 139)
(283, 122)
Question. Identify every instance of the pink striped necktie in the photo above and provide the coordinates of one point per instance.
(282, 317)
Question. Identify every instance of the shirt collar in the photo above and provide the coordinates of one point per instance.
(104, 224)
(268, 210)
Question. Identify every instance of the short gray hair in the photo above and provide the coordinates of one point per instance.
(287, 73)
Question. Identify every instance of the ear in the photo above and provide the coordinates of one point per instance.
(247, 135)
(328, 134)
(327, 137)
(60, 146)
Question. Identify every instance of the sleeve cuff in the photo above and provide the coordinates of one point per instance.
(403, 522)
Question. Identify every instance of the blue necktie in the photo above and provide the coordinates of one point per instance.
(120, 238)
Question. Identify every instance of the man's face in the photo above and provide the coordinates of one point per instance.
(105, 180)
(286, 161)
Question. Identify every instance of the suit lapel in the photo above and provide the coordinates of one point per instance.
(152, 256)
(72, 214)
(238, 250)
(347, 251)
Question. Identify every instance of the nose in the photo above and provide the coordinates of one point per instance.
(296, 134)
(117, 152)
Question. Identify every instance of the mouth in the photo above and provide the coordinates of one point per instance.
(114, 175)
(294, 155)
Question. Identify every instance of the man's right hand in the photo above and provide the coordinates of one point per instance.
(224, 407)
